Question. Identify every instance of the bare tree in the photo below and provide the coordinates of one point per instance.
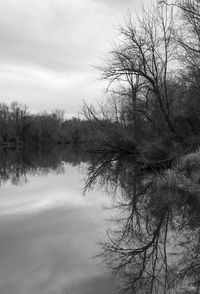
(141, 62)
(20, 117)
(188, 30)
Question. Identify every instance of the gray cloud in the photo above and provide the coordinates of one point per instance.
(44, 36)
(116, 2)
(47, 48)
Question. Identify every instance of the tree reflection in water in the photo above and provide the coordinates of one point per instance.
(154, 245)
(16, 166)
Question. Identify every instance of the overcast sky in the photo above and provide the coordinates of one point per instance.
(48, 47)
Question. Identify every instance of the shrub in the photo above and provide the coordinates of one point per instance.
(156, 151)
(190, 162)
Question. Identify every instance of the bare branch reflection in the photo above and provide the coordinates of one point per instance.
(153, 241)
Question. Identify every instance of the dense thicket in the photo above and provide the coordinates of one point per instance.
(153, 75)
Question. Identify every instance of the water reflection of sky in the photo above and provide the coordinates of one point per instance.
(44, 192)
(48, 235)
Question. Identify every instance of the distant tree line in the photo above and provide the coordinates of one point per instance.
(19, 127)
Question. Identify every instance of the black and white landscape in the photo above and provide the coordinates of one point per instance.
(99, 147)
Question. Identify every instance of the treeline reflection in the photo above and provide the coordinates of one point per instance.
(16, 166)
(153, 240)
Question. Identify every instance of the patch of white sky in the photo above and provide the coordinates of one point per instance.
(47, 49)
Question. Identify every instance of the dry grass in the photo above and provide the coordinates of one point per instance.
(189, 162)
(184, 177)
(171, 178)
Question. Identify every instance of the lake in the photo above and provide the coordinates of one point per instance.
(48, 230)
(79, 223)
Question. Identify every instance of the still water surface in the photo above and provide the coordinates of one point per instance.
(49, 231)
